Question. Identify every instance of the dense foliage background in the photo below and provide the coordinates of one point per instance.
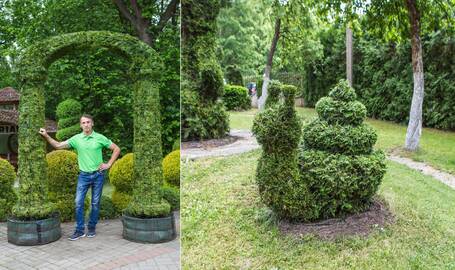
(96, 77)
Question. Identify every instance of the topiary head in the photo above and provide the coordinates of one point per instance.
(343, 92)
(68, 108)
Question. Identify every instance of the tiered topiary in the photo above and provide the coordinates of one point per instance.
(7, 195)
(338, 171)
(203, 115)
(236, 98)
(171, 168)
(68, 113)
(62, 172)
(337, 161)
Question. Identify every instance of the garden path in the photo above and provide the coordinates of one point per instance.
(245, 141)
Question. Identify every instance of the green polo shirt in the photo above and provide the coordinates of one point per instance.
(89, 150)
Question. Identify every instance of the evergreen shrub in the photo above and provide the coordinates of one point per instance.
(333, 171)
(7, 195)
(68, 113)
(172, 195)
(202, 120)
(171, 168)
(236, 98)
(233, 75)
(62, 173)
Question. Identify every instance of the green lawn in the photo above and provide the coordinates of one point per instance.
(437, 147)
(224, 225)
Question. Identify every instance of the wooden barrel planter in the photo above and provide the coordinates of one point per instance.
(34, 232)
(149, 230)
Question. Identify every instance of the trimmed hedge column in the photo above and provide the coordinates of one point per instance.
(145, 66)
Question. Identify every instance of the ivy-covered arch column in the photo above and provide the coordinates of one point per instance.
(145, 71)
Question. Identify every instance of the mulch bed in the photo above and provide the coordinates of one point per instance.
(362, 224)
(209, 143)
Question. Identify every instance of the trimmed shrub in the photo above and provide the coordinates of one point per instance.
(273, 91)
(7, 195)
(121, 174)
(211, 80)
(68, 113)
(236, 98)
(62, 173)
(233, 75)
(335, 171)
(172, 195)
(278, 130)
(171, 168)
(107, 208)
(120, 200)
(337, 160)
(202, 121)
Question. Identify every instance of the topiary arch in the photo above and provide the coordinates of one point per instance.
(144, 71)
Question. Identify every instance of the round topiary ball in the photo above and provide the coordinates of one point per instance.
(7, 195)
(62, 172)
(171, 168)
(121, 174)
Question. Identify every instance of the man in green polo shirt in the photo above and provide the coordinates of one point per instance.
(88, 145)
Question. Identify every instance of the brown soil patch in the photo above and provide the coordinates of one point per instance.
(361, 224)
(209, 143)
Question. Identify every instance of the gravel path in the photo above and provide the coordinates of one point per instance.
(246, 142)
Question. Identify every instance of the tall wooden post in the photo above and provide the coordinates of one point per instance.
(349, 55)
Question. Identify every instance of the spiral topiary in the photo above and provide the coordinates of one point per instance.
(336, 170)
(337, 160)
(7, 195)
(68, 113)
(171, 168)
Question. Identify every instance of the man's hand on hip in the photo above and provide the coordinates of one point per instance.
(104, 166)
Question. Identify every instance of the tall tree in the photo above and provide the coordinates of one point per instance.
(143, 16)
(404, 19)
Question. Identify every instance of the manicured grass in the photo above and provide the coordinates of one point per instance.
(224, 225)
(437, 148)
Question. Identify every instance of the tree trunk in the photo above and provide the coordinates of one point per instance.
(268, 66)
(415, 116)
(349, 55)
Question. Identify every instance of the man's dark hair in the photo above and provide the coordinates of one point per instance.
(86, 116)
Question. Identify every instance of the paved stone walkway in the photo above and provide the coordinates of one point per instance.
(245, 142)
(108, 250)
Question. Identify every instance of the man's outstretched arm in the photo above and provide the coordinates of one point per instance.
(54, 143)
(115, 153)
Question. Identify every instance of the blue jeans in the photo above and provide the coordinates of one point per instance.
(84, 182)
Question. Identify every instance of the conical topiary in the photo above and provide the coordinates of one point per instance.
(337, 160)
(68, 113)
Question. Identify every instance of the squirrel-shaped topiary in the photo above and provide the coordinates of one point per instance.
(337, 171)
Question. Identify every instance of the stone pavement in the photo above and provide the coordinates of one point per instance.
(246, 142)
(108, 250)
